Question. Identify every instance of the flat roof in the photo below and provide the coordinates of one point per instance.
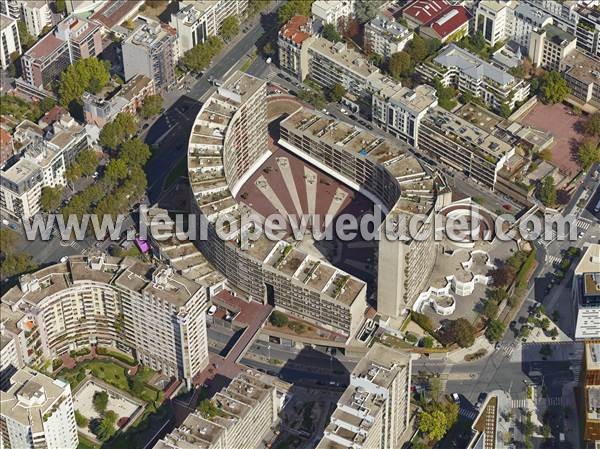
(346, 57)
(582, 67)
(592, 355)
(590, 261)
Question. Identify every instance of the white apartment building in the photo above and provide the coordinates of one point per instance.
(549, 46)
(37, 412)
(36, 15)
(151, 50)
(42, 165)
(197, 21)
(399, 110)
(455, 66)
(586, 294)
(332, 11)
(385, 36)
(248, 408)
(374, 411)
(9, 40)
(148, 312)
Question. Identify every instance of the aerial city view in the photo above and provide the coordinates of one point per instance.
(270, 224)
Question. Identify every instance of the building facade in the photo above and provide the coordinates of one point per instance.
(150, 313)
(37, 411)
(74, 38)
(582, 74)
(247, 410)
(591, 391)
(10, 43)
(332, 11)
(374, 411)
(385, 36)
(36, 15)
(197, 21)
(293, 41)
(399, 110)
(150, 51)
(549, 46)
(463, 146)
(454, 66)
(586, 294)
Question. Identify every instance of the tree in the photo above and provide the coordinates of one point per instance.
(27, 40)
(490, 309)
(135, 152)
(199, 57)
(115, 132)
(504, 110)
(292, 8)
(460, 331)
(548, 191)
(151, 106)
(100, 401)
(337, 93)
(545, 155)
(400, 65)
(435, 387)
(135, 385)
(592, 126)
(73, 173)
(50, 198)
(366, 10)
(116, 170)
(588, 154)
(427, 342)
(278, 318)
(502, 275)
(495, 330)
(446, 96)
(433, 424)
(331, 33)
(12, 261)
(81, 420)
(207, 409)
(87, 160)
(417, 49)
(88, 74)
(230, 27)
(419, 445)
(60, 6)
(554, 88)
(106, 428)
(268, 49)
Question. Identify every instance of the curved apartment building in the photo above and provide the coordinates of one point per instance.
(229, 143)
(149, 312)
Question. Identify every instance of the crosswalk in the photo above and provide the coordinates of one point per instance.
(507, 349)
(553, 260)
(541, 401)
(75, 245)
(469, 414)
(520, 403)
(583, 224)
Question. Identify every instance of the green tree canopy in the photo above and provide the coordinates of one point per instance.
(433, 424)
(115, 132)
(87, 160)
(554, 88)
(294, 7)
(278, 318)
(50, 198)
(199, 57)
(230, 27)
(151, 106)
(88, 74)
(548, 191)
(100, 401)
(27, 40)
(60, 6)
(505, 110)
(460, 331)
(12, 261)
(400, 65)
(134, 152)
(337, 92)
(495, 330)
(366, 10)
(490, 309)
(331, 33)
(418, 49)
(588, 154)
(592, 125)
(116, 170)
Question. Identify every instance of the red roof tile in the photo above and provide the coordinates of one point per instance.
(45, 46)
(293, 29)
(425, 11)
(449, 22)
(114, 12)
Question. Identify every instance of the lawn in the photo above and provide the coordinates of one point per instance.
(115, 375)
(179, 170)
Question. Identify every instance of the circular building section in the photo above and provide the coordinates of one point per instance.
(256, 154)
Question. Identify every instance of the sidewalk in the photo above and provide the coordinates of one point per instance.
(481, 342)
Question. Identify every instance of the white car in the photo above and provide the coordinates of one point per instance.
(5, 222)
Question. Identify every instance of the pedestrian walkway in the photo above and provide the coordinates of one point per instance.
(507, 349)
(583, 224)
(469, 414)
(520, 403)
